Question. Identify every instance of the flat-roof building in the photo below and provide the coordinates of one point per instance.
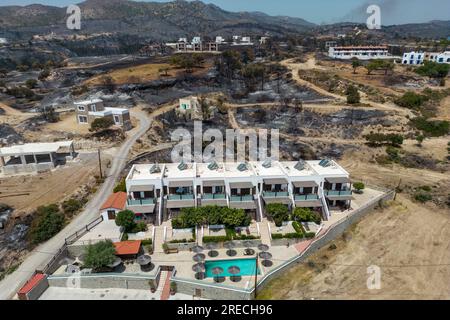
(161, 190)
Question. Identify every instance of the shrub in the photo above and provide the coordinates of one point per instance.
(215, 239)
(298, 227)
(433, 69)
(31, 83)
(100, 254)
(47, 223)
(293, 235)
(378, 139)
(277, 236)
(423, 197)
(411, 100)
(147, 242)
(71, 206)
(353, 96)
(101, 124)
(192, 217)
(139, 227)
(431, 128)
(125, 219)
(310, 235)
(120, 186)
(359, 186)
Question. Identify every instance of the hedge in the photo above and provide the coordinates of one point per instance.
(215, 239)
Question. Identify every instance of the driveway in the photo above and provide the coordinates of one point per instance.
(44, 252)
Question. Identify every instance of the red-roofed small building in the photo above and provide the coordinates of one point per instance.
(115, 203)
(128, 248)
(34, 288)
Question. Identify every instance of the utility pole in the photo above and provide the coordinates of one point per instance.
(397, 189)
(256, 275)
(100, 164)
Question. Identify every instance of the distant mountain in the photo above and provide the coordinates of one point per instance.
(162, 20)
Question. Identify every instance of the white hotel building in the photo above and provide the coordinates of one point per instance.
(360, 52)
(159, 191)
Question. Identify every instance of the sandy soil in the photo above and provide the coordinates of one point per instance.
(410, 243)
(13, 116)
(27, 192)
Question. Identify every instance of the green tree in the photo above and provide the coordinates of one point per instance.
(71, 206)
(353, 96)
(359, 186)
(306, 215)
(121, 186)
(48, 222)
(355, 64)
(278, 212)
(101, 124)
(125, 219)
(100, 254)
(236, 218)
(411, 100)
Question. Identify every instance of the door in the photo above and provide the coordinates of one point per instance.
(198, 292)
(111, 214)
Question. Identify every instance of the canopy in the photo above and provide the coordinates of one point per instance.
(305, 184)
(213, 183)
(275, 181)
(241, 185)
(338, 180)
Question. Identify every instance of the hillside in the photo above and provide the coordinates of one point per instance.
(162, 20)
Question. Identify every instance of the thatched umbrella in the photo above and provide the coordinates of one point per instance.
(249, 252)
(144, 260)
(117, 262)
(247, 244)
(197, 249)
(200, 276)
(198, 267)
(234, 271)
(217, 271)
(211, 246)
(267, 263)
(199, 257)
(231, 253)
(229, 245)
(265, 255)
(213, 253)
(263, 247)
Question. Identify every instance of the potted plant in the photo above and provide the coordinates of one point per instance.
(152, 284)
(173, 288)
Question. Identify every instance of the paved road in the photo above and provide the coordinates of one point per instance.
(42, 254)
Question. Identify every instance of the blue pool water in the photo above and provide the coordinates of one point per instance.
(247, 267)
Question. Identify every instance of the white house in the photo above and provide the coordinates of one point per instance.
(413, 58)
(443, 57)
(113, 205)
(360, 52)
(154, 188)
(220, 40)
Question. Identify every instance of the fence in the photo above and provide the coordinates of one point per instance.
(62, 252)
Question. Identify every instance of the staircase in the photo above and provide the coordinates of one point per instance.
(264, 231)
(159, 239)
(164, 284)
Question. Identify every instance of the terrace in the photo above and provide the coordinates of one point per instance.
(212, 190)
(180, 187)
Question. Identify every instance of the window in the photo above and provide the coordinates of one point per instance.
(93, 108)
(81, 108)
(116, 119)
(82, 119)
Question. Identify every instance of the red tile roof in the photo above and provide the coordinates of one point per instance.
(33, 282)
(126, 248)
(116, 201)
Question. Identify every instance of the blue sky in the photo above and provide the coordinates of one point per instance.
(319, 11)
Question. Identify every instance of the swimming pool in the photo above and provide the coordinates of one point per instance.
(247, 267)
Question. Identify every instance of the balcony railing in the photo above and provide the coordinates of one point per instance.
(338, 193)
(141, 202)
(306, 197)
(180, 197)
(214, 196)
(241, 198)
(280, 194)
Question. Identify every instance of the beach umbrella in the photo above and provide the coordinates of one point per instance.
(267, 263)
(197, 249)
(213, 253)
(115, 263)
(217, 271)
(229, 245)
(200, 276)
(263, 247)
(144, 260)
(210, 246)
(235, 278)
(234, 270)
(265, 255)
(198, 267)
(249, 252)
(199, 257)
(79, 260)
(231, 253)
(247, 243)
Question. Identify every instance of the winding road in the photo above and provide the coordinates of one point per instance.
(44, 252)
